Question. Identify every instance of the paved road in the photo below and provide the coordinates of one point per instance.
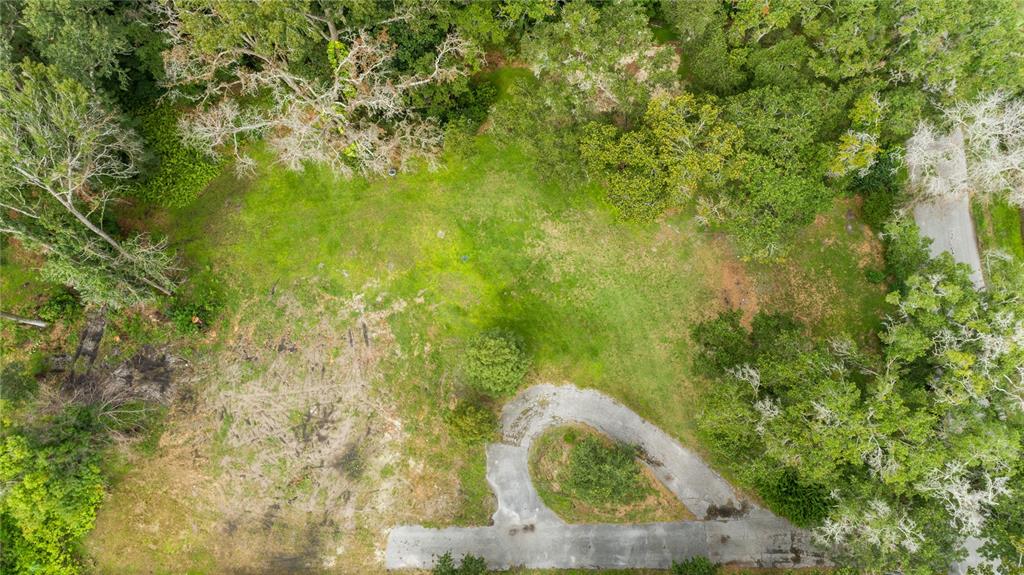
(526, 533)
(948, 223)
(947, 219)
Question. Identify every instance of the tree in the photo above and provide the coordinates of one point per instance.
(51, 489)
(82, 39)
(914, 447)
(295, 73)
(62, 157)
(606, 54)
(682, 148)
(496, 362)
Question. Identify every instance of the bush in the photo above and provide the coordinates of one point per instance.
(176, 174)
(470, 423)
(906, 251)
(470, 565)
(63, 305)
(194, 307)
(600, 474)
(496, 362)
(723, 343)
(52, 487)
(804, 505)
(882, 190)
(695, 566)
(18, 382)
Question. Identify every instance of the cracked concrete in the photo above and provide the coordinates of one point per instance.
(524, 532)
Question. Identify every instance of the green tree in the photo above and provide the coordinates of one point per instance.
(51, 489)
(912, 446)
(606, 54)
(496, 362)
(681, 148)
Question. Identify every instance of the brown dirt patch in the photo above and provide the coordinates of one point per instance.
(279, 463)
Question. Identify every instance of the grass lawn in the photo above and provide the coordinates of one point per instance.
(428, 259)
(824, 282)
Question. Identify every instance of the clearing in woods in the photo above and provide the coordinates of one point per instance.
(311, 418)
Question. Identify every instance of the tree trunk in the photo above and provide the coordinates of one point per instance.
(24, 320)
(113, 243)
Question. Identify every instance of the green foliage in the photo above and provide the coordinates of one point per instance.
(804, 505)
(681, 147)
(61, 157)
(603, 474)
(468, 565)
(906, 251)
(471, 423)
(881, 188)
(615, 63)
(540, 117)
(196, 305)
(876, 447)
(176, 174)
(52, 486)
(1004, 533)
(18, 382)
(695, 566)
(61, 306)
(496, 362)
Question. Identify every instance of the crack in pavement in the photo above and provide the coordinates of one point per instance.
(729, 529)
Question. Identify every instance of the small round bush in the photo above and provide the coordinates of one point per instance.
(496, 362)
(470, 423)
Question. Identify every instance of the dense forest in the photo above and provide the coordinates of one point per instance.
(211, 209)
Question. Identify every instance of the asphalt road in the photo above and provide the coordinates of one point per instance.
(948, 222)
(526, 533)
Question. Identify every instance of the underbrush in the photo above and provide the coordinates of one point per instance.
(584, 478)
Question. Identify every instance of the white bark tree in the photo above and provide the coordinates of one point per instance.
(982, 153)
(61, 156)
(354, 119)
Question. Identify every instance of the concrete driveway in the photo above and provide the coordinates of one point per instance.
(524, 532)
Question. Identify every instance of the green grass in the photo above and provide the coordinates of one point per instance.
(999, 226)
(824, 282)
(485, 243)
(488, 244)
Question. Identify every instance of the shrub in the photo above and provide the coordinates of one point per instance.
(195, 307)
(470, 423)
(470, 565)
(17, 382)
(804, 505)
(723, 343)
(600, 474)
(63, 305)
(906, 251)
(881, 188)
(52, 487)
(695, 566)
(177, 173)
(496, 362)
